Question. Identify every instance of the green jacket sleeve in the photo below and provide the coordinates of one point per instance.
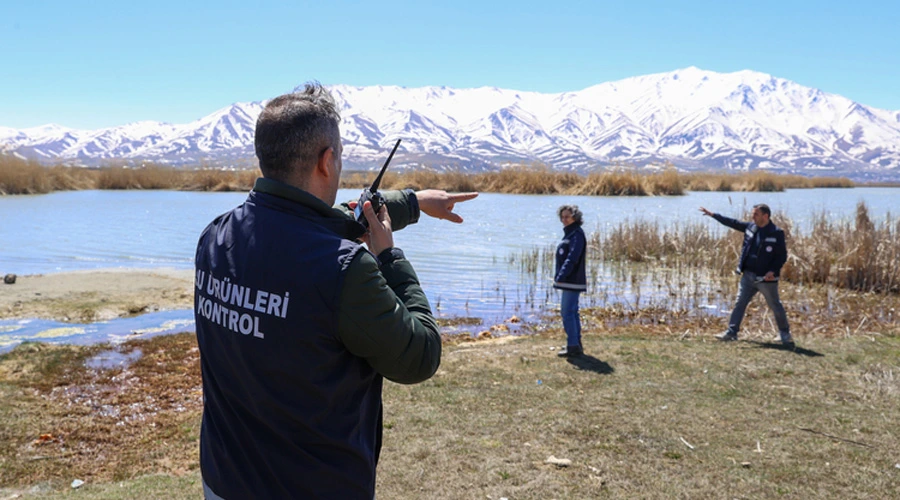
(384, 317)
(403, 207)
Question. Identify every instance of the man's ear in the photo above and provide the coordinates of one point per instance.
(323, 165)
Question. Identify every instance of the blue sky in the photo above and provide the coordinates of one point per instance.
(91, 64)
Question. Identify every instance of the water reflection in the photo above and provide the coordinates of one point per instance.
(113, 360)
(14, 332)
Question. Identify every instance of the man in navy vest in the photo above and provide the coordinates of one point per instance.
(298, 324)
(763, 254)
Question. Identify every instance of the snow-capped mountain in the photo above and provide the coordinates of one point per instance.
(691, 118)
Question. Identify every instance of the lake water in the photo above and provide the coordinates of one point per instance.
(466, 269)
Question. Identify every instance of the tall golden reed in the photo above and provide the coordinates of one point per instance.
(859, 255)
(623, 182)
(759, 181)
(19, 176)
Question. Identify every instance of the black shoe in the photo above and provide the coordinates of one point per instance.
(786, 341)
(570, 351)
(727, 337)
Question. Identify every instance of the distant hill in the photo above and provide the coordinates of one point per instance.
(690, 118)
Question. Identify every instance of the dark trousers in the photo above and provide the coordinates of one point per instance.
(769, 289)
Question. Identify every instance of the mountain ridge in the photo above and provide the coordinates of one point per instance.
(690, 118)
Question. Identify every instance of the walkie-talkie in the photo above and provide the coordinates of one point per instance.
(372, 194)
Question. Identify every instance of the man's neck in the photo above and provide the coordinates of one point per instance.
(318, 189)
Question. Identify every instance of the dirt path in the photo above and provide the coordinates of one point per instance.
(96, 295)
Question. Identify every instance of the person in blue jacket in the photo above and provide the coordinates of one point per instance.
(763, 254)
(298, 323)
(571, 276)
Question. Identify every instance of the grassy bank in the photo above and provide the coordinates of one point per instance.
(646, 414)
(27, 177)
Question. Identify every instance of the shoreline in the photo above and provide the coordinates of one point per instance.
(96, 294)
(100, 295)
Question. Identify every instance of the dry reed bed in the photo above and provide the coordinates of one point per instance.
(860, 255)
(692, 301)
(841, 276)
(28, 177)
(760, 181)
(609, 183)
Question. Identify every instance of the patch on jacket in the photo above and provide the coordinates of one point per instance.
(772, 240)
(768, 249)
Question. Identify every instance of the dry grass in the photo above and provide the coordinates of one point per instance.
(420, 179)
(62, 420)
(760, 181)
(648, 418)
(23, 177)
(527, 181)
(621, 182)
(612, 184)
(27, 177)
(859, 255)
(881, 184)
(160, 177)
(646, 414)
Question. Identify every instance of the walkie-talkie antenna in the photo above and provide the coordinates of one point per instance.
(375, 184)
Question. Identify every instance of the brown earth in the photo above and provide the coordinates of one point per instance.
(656, 408)
(96, 295)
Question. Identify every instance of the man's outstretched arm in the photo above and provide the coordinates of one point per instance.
(727, 221)
(440, 204)
(406, 206)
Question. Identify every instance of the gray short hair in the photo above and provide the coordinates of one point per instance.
(577, 216)
(294, 129)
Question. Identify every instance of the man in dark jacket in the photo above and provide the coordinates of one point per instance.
(763, 254)
(297, 323)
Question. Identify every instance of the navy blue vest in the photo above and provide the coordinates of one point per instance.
(288, 411)
(570, 270)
